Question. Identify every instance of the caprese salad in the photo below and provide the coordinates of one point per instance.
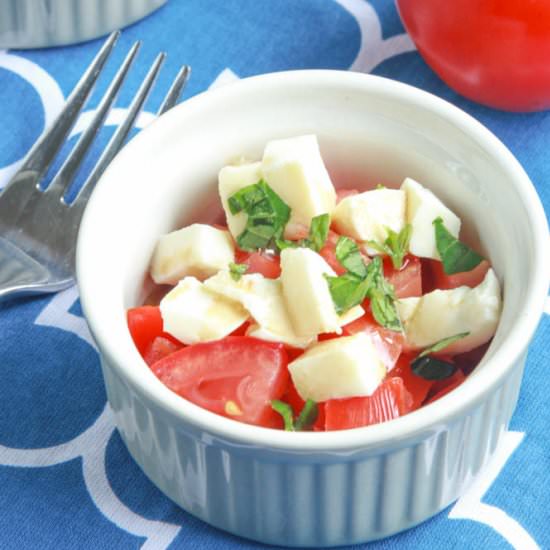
(312, 308)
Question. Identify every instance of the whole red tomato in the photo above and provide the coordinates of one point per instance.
(496, 52)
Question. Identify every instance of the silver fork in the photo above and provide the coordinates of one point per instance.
(38, 228)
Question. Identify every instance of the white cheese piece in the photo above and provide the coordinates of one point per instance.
(423, 207)
(338, 368)
(350, 315)
(443, 313)
(306, 292)
(198, 250)
(294, 169)
(192, 313)
(263, 299)
(230, 180)
(366, 216)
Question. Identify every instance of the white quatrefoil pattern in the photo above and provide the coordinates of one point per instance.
(59, 449)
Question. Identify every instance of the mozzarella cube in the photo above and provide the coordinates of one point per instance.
(192, 313)
(230, 180)
(306, 292)
(263, 299)
(423, 207)
(198, 250)
(443, 313)
(366, 216)
(338, 368)
(294, 169)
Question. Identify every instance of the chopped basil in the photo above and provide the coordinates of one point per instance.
(395, 246)
(237, 270)
(348, 255)
(347, 290)
(285, 410)
(380, 186)
(318, 233)
(456, 256)
(267, 215)
(431, 368)
(382, 297)
(305, 419)
(442, 344)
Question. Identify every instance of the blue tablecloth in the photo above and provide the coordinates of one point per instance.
(66, 480)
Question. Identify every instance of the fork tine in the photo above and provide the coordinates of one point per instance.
(66, 173)
(119, 136)
(45, 149)
(175, 90)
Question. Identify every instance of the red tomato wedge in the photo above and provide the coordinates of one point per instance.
(145, 324)
(407, 281)
(417, 386)
(443, 387)
(159, 348)
(388, 343)
(468, 278)
(260, 262)
(389, 401)
(236, 377)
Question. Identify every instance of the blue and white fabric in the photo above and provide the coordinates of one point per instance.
(66, 480)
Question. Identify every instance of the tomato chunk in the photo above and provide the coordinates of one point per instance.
(390, 400)
(471, 278)
(388, 343)
(236, 377)
(443, 387)
(159, 348)
(407, 281)
(260, 262)
(145, 324)
(417, 386)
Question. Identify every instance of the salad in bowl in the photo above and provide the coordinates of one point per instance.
(309, 308)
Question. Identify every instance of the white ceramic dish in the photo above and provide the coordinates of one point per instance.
(42, 23)
(311, 489)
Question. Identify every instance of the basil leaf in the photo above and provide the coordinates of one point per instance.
(380, 186)
(431, 368)
(348, 255)
(305, 420)
(267, 215)
(318, 231)
(283, 243)
(237, 270)
(307, 417)
(382, 297)
(285, 410)
(456, 256)
(442, 344)
(347, 290)
(395, 246)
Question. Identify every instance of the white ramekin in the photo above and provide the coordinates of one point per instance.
(39, 23)
(311, 489)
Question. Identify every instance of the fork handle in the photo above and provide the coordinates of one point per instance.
(19, 273)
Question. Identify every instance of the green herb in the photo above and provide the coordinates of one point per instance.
(347, 290)
(395, 246)
(267, 215)
(431, 368)
(305, 420)
(285, 410)
(318, 233)
(456, 256)
(349, 256)
(442, 344)
(237, 270)
(382, 297)
(307, 417)
(380, 186)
